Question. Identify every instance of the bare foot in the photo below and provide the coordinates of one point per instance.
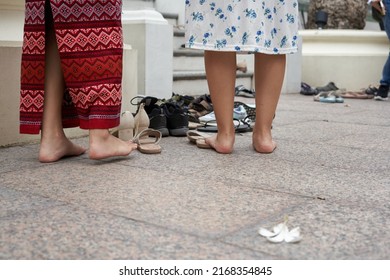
(263, 144)
(103, 145)
(55, 148)
(223, 144)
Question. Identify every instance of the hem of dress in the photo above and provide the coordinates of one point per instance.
(247, 49)
(99, 124)
(36, 128)
(28, 129)
(88, 124)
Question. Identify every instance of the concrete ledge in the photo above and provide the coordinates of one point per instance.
(353, 59)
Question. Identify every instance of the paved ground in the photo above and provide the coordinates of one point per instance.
(329, 175)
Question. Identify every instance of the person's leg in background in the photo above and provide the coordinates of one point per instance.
(269, 75)
(221, 78)
(383, 91)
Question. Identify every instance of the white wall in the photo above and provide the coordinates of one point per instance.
(353, 59)
(11, 20)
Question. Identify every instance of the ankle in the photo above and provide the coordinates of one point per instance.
(98, 135)
(262, 142)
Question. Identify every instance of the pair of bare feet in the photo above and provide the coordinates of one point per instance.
(224, 143)
(101, 145)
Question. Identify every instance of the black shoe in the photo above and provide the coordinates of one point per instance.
(371, 90)
(154, 109)
(183, 101)
(177, 119)
(382, 93)
(307, 89)
(329, 87)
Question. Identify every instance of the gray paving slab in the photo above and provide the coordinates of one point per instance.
(14, 202)
(204, 206)
(17, 158)
(329, 175)
(338, 231)
(71, 232)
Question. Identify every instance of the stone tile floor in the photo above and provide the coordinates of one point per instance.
(329, 175)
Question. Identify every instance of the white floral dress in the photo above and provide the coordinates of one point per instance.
(266, 26)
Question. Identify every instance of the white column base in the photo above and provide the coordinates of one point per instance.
(151, 35)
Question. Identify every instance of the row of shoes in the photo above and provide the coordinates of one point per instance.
(306, 89)
(330, 90)
(201, 109)
(170, 117)
(136, 128)
(204, 119)
(176, 115)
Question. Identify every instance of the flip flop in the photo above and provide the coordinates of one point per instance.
(193, 136)
(239, 126)
(193, 125)
(242, 125)
(198, 138)
(148, 140)
(357, 95)
(210, 126)
(201, 144)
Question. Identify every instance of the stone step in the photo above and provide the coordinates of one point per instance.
(194, 82)
(172, 18)
(189, 59)
(186, 59)
(178, 36)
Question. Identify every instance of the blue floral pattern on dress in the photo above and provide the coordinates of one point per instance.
(266, 26)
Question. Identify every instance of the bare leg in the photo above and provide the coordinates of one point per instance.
(269, 75)
(221, 77)
(54, 144)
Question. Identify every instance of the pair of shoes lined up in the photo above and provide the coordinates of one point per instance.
(166, 116)
(306, 89)
(136, 129)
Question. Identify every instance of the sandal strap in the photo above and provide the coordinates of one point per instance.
(148, 132)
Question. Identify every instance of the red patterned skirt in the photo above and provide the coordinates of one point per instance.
(90, 43)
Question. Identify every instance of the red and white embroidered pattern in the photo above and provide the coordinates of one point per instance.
(89, 38)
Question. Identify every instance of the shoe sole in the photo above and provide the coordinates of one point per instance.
(178, 131)
(380, 98)
(164, 131)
